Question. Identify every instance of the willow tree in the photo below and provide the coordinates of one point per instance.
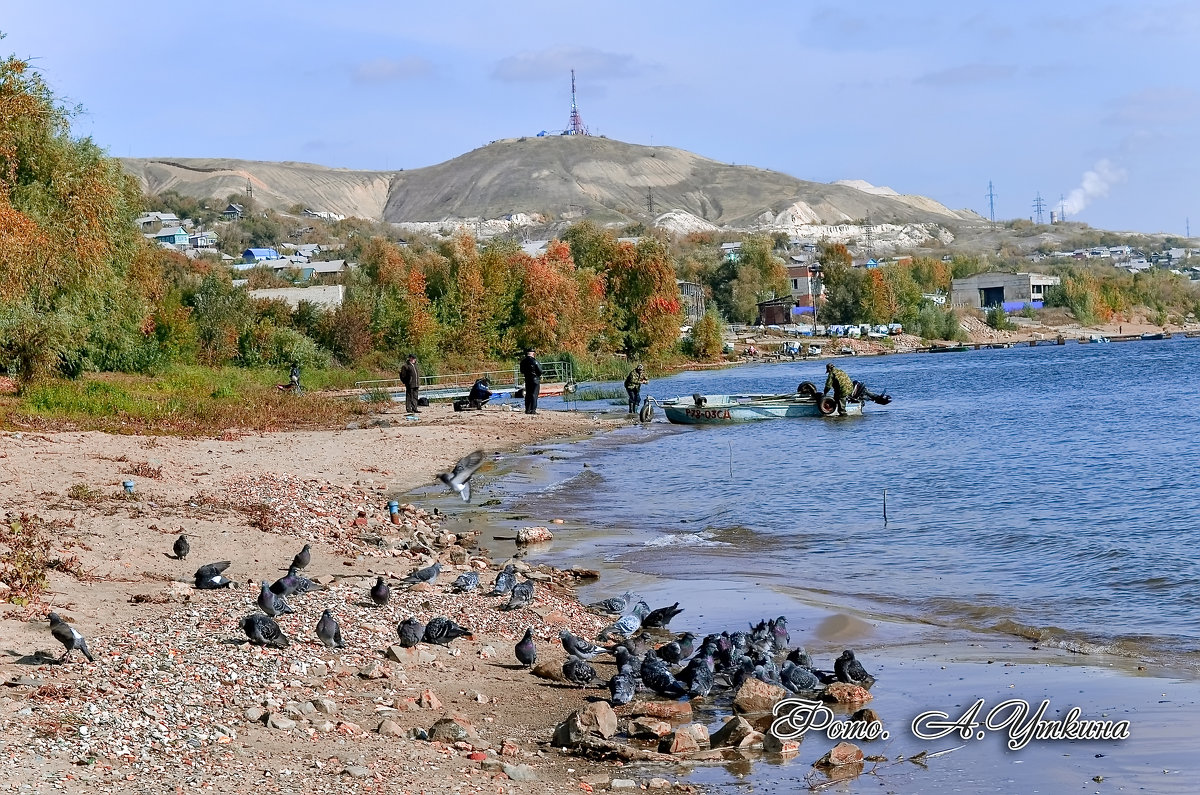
(66, 233)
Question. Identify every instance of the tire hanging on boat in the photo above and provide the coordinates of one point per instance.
(647, 412)
(807, 388)
(827, 405)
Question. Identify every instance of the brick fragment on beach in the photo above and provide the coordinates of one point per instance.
(681, 741)
(756, 695)
(845, 693)
(735, 730)
(429, 700)
(843, 753)
(389, 728)
(674, 712)
(649, 728)
(780, 747)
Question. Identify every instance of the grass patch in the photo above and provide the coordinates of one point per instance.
(601, 393)
(30, 555)
(185, 401)
(83, 492)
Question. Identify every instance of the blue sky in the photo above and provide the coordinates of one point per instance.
(1098, 103)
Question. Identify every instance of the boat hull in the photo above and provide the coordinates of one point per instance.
(730, 409)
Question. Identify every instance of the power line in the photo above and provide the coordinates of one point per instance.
(991, 197)
(1038, 206)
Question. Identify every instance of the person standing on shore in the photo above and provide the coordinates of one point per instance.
(837, 380)
(532, 373)
(410, 376)
(633, 387)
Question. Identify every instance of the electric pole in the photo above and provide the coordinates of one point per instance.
(650, 201)
(991, 197)
(1038, 206)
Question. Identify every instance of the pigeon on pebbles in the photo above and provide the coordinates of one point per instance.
(850, 670)
(578, 647)
(69, 637)
(272, 604)
(380, 593)
(506, 578)
(443, 631)
(303, 558)
(208, 576)
(467, 581)
(428, 574)
(521, 596)
(263, 631)
(578, 671)
(411, 631)
(329, 632)
(291, 584)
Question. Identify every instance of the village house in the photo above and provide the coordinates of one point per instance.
(172, 236)
(232, 212)
(691, 296)
(150, 220)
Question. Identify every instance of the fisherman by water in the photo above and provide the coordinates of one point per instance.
(532, 373)
(837, 380)
(633, 387)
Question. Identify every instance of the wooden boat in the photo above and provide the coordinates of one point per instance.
(947, 348)
(726, 409)
(1156, 336)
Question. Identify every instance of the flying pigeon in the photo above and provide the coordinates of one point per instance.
(521, 596)
(525, 650)
(329, 632)
(614, 606)
(410, 631)
(272, 604)
(622, 687)
(578, 671)
(303, 558)
(850, 670)
(443, 631)
(291, 584)
(380, 593)
(263, 631)
(460, 479)
(467, 581)
(658, 619)
(69, 637)
(181, 547)
(427, 574)
(578, 647)
(506, 578)
(208, 576)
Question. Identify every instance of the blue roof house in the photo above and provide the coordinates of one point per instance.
(258, 254)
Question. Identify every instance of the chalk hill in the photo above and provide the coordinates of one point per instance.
(553, 177)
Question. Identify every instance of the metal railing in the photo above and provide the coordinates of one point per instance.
(552, 373)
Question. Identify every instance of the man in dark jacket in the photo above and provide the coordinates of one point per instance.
(840, 383)
(633, 387)
(410, 376)
(480, 393)
(532, 373)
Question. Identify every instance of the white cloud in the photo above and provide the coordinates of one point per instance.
(1095, 185)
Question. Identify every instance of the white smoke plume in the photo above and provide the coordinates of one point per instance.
(1095, 185)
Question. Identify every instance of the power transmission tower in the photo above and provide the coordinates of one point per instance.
(1038, 206)
(991, 197)
(870, 238)
(650, 201)
(249, 189)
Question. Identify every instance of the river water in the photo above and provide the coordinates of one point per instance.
(1048, 493)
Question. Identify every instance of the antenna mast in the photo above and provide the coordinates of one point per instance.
(575, 126)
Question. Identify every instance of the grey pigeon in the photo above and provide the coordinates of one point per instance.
(578, 647)
(622, 687)
(69, 637)
(410, 631)
(263, 631)
(521, 596)
(459, 480)
(443, 631)
(329, 632)
(208, 576)
(181, 547)
(657, 619)
(506, 578)
(578, 671)
(303, 558)
(291, 584)
(850, 670)
(525, 650)
(614, 606)
(272, 604)
(427, 574)
(625, 625)
(656, 677)
(467, 581)
(380, 593)
(797, 679)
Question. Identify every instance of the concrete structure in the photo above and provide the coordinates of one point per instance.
(804, 281)
(1001, 289)
(326, 297)
(775, 312)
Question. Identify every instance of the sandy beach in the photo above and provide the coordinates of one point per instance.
(176, 701)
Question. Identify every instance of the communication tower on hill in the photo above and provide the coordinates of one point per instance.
(575, 126)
